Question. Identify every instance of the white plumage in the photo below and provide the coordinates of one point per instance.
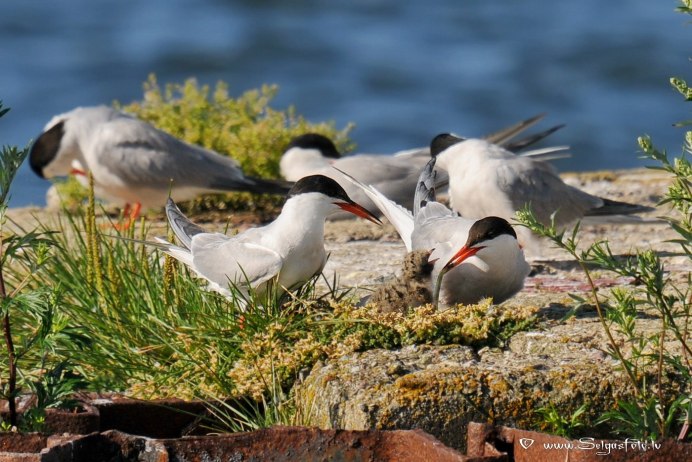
(482, 258)
(288, 251)
(486, 179)
(133, 162)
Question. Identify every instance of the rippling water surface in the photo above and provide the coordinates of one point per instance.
(401, 71)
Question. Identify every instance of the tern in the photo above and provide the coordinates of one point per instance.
(287, 252)
(394, 175)
(132, 162)
(472, 259)
(487, 179)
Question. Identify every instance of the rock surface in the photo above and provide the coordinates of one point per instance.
(561, 363)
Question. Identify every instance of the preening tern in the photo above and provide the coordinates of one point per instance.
(395, 175)
(486, 179)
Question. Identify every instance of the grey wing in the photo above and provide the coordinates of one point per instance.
(144, 155)
(536, 183)
(425, 188)
(441, 228)
(506, 134)
(423, 152)
(442, 236)
(223, 260)
(183, 228)
(395, 177)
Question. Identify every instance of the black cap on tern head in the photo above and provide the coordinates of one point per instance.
(489, 228)
(320, 184)
(315, 141)
(442, 142)
(46, 147)
(481, 231)
(330, 188)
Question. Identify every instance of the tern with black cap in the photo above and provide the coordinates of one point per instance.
(133, 162)
(487, 179)
(288, 251)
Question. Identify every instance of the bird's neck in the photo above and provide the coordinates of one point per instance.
(296, 163)
(302, 216)
(447, 159)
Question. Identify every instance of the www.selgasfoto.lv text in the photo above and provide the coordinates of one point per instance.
(605, 447)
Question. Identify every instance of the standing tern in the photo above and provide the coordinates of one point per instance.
(472, 259)
(395, 175)
(288, 251)
(486, 179)
(132, 162)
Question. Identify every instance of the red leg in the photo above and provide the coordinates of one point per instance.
(135, 212)
(126, 219)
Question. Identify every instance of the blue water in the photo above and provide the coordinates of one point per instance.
(402, 71)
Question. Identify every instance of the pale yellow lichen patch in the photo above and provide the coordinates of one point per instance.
(273, 356)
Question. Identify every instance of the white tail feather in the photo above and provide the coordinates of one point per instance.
(398, 216)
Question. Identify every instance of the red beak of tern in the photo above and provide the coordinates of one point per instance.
(462, 255)
(359, 210)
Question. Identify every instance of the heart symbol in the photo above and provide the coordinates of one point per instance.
(526, 442)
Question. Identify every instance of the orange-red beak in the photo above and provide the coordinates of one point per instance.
(359, 210)
(77, 171)
(462, 255)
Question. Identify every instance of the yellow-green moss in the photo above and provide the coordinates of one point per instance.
(279, 351)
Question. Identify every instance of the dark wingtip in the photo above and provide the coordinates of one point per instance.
(315, 141)
(612, 207)
(518, 145)
(172, 209)
(265, 186)
(45, 148)
(252, 185)
(182, 227)
(425, 188)
(442, 142)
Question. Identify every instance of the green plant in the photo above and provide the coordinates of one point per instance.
(646, 360)
(35, 334)
(656, 406)
(559, 425)
(661, 378)
(154, 333)
(246, 128)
